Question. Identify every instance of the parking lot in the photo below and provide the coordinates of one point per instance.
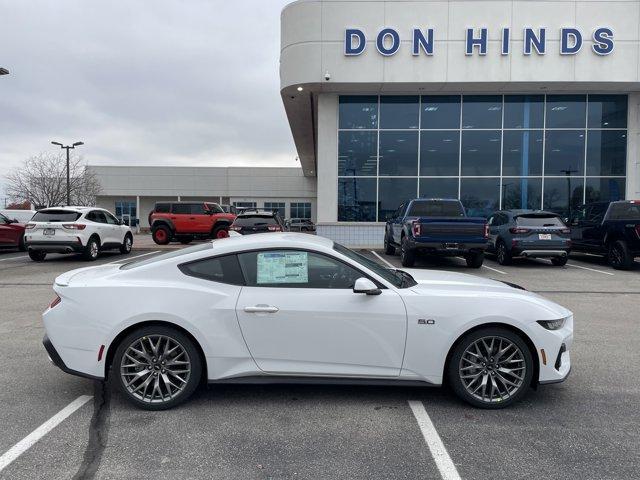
(584, 428)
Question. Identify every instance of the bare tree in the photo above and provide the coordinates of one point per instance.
(42, 180)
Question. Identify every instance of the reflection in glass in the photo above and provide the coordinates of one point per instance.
(481, 111)
(439, 153)
(360, 111)
(563, 195)
(398, 153)
(564, 152)
(440, 111)
(357, 199)
(481, 153)
(523, 111)
(392, 192)
(357, 153)
(520, 193)
(606, 152)
(607, 111)
(522, 152)
(399, 111)
(480, 196)
(604, 189)
(566, 111)
(438, 188)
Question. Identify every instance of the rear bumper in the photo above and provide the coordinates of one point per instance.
(55, 247)
(55, 358)
(540, 252)
(451, 249)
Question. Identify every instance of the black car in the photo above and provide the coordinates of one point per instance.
(257, 221)
(610, 229)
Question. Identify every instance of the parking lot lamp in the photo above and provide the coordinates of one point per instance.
(67, 148)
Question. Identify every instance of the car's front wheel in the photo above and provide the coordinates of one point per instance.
(490, 368)
(157, 367)
(127, 243)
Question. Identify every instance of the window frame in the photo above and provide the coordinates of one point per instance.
(184, 266)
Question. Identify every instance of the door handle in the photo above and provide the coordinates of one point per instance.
(261, 309)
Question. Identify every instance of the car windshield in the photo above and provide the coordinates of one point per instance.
(252, 220)
(165, 256)
(3, 218)
(436, 208)
(625, 211)
(539, 221)
(56, 216)
(394, 276)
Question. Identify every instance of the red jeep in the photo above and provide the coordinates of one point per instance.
(184, 221)
(11, 233)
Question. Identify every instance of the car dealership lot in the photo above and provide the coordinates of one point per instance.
(583, 428)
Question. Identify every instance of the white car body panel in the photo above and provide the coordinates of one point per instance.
(315, 332)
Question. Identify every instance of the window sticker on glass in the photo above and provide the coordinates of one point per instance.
(282, 267)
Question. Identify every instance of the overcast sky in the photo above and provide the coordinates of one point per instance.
(144, 82)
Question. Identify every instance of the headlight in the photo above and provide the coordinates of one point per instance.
(553, 324)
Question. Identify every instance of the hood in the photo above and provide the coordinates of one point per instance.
(452, 280)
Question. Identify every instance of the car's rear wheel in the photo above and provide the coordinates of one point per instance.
(474, 260)
(161, 235)
(127, 243)
(502, 254)
(389, 249)
(92, 250)
(37, 255)
(619, 256)
(490, 368)
(560, 261)
(221, 231)
(157, 367)
(407, 256)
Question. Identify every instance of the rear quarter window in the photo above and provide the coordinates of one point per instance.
(56, 216)
(624, 211)
(162, 208)
(539, 221)
(225, 269)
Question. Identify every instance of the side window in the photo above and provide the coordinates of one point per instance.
(162, 208)
(596, 213)
(217, 269)
(197, 209)
(111, 220)
(96, 216)
(296, 269)
(181, 208)
(579, 215)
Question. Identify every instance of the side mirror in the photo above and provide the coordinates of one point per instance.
(364, 285)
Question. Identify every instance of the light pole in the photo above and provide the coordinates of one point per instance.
(67, 148)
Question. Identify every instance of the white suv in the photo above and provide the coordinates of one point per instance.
(85, 230)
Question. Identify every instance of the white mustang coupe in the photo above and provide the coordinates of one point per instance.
(288, 307)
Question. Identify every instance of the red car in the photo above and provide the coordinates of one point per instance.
(11, 233)
(184, 221)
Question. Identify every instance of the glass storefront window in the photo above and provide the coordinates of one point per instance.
(566, 111)
(399, 112)
(300, 210)
(440, 112)
(439, 153)
(357, 199)
(523, 111)
(607, 111)
(605, 189)
(392, 192)
(564, 152)
(606, 152)
(480, 196)
(482, 111)
(520, 193)
(358, 112)
(276, 206)
(563, 195)
(438, 188)
(481, 153)
(357, 153)
(398, 153)
(522, 152)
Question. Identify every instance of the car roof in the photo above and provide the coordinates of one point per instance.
(271, 240)
(522, 211)
(71, 208)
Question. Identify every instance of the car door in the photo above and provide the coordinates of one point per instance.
(300, 316)
(199, 218)
(99, 225)
(593, 231)
(494, 229)
(396, 224)
(577, 225)
(114, 231)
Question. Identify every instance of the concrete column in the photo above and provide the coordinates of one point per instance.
(327, 158)
(633, 147)
(138, 213)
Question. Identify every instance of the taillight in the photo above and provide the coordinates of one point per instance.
(518, 230)
(55, 301)
(74, 226)
(29, 226)
(274, 228)
(415, 228)
(486, 230)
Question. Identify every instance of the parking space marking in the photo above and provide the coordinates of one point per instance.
(13, 258)
(30, 440)
(495, 270)
(131, 258)
(388, 263)
(447, 468)
(590, 269)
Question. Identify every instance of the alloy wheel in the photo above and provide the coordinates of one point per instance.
(501, 252)
(93, 249)
(616, 255)
(127, 243)
(492, 369)
(155, 368)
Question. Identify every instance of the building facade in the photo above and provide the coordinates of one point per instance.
(131, 192)
(503, 104)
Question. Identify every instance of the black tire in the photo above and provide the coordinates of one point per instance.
(475, 259)
(91, 250)
(220, 231)
(21, 246)
(560, 261)
(127, 243)
(407, 256)
(37, 255)
(193, 356)
(161, 235)
(619, 256)
(454, 375)
(503, 255)
(389, 249)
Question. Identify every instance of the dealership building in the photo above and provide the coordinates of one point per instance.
(503, 104)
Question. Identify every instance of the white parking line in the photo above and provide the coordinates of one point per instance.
(30, 440)
(388, 263)
(13, 258)
(439, 453)
(590, 269)
(495, 270)
(131, 258)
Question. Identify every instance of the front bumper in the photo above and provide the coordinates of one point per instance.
(555, 362)
(56, 247)
(54, 356)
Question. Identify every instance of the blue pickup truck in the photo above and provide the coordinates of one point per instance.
(436, 226)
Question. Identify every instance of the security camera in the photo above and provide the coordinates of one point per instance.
(327, 76)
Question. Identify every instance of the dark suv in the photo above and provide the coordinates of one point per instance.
(184, 221)
(610, 229)
(257, 221)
